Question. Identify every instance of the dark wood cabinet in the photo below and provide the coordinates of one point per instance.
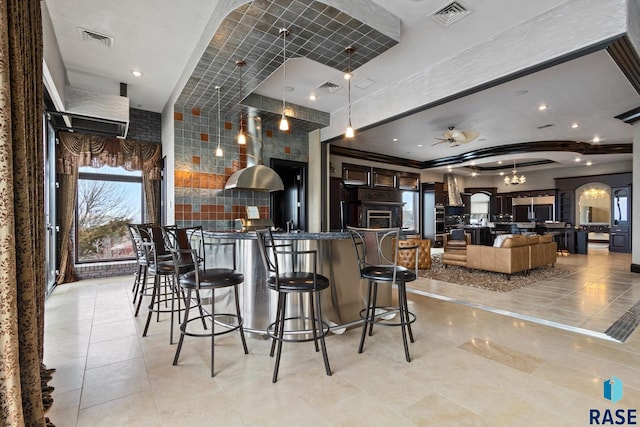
(619, 233)
(565, 207)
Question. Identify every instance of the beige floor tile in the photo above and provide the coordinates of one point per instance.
(472, 362)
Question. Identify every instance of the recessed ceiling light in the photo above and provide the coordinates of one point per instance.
(577, 159)
(575, 125)
(449, 168)
(419, 145)
(589, 163)
(543, 107)
(501, 173)
(474, 174)
(313, 97)
(395, 139)
(596, 139)
(136, 73)
(499, 162)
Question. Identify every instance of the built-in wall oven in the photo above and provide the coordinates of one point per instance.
(439, 219)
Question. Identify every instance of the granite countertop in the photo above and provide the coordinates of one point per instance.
(280, 235)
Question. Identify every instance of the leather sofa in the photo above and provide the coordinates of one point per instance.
(407, 258)
(515, 254)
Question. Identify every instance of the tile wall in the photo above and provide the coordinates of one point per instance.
(200, 197)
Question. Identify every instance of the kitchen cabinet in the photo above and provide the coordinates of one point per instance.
(566, 206)
(619, 233)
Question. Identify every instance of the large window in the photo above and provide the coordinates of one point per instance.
(410, 212)
(108, 199)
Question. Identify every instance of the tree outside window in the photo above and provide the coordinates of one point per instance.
(107, 202)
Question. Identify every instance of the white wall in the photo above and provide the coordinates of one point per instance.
(168, 152)
(55, 76)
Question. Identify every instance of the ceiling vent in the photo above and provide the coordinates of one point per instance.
(450, 13)
(92, 36)
(329, 87)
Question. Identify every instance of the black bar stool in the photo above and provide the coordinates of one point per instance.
(294, 328)
(160, 265)
(208, 279)
(377, 253)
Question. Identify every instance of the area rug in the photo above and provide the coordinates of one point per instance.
(497, 282)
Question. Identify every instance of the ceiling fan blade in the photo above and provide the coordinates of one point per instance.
(469, 135)
(439, 142)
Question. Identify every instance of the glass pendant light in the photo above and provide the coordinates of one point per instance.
(284, 124)
(219, 152)
(242, 139)
(349, 132)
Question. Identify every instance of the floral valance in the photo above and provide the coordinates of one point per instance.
(77, 149)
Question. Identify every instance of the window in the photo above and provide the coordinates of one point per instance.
(108, 199)
(410, 212)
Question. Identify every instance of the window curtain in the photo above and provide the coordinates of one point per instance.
(22, 252)
(77, 150)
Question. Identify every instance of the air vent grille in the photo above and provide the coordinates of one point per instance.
(92, 36)
(450, 13)
(329, 87)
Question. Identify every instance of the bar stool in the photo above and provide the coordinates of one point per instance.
(298, 327)
(141, 262)
(161, 266)
(208, 279)
(377, 254)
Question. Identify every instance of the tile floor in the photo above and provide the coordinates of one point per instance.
(471, 364)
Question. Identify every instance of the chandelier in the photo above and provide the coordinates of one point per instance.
(595, 193)
(515, 179)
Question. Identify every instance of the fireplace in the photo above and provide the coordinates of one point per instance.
(378, 218)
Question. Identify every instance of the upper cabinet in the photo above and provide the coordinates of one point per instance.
(367, 176)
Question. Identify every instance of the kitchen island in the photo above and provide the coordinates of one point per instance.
(341, 303)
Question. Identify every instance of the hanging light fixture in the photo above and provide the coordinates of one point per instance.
(242, 139)
(219, 152)
(349, 50)
(515, 179)
(284, 124)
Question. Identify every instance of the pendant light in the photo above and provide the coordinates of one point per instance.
(219, 152)
(349, 132)
(284, 32)
(242, 139)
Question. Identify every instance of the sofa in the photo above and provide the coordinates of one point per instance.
(513, 253)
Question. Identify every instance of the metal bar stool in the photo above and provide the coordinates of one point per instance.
(208, 279)
(298, 327)
(140, 279)
(161, 266)
(377, 254)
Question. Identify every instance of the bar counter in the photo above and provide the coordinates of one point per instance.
(341, 303)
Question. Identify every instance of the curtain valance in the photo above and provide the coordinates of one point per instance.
(97, 151)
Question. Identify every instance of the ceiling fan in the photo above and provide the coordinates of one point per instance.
(454, 137)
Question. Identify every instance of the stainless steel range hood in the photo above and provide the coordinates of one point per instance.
(255, 177)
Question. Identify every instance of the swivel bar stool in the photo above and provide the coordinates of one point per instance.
(295, 328)
(208, 279)
(377, 254)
